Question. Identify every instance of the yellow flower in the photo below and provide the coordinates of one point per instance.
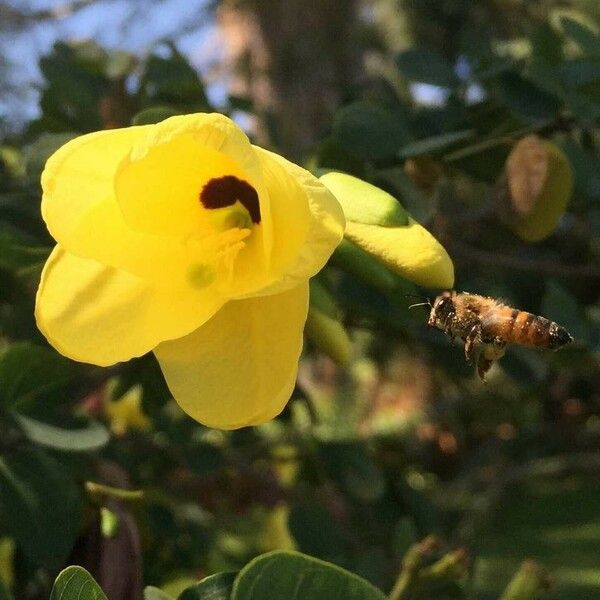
(379, 225)
(184, 239)
(125, 413)
(276, 533)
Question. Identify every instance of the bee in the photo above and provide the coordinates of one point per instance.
(488, 325)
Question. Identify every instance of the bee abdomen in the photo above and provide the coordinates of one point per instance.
(531, 330)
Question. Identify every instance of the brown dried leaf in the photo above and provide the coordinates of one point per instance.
(424, 172)
(527, 171)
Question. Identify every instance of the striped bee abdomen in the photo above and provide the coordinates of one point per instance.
(524, 328)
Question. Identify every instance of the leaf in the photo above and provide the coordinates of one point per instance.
(546, 45)
(154, 593)
(413, 184)
(560, 305)
(40, 506)
(540, 182)
(243, 103)
(314, 530)
(154, 114)
(328, 334)
(331, 155)
(370, 131)
(350, 463)
(527, 100)
(580, 73)
(37, 153)
(215, 587)
(425, 66)
(75, 583)
(5, 593)
(18, 252)
(586, 167)
(28, 371)
(321, 298)
(527, 170)
(587, 39)
(119, 63)
(172, 81)
(435, 144)
(92, 437)
(354, 260)
(295, 576)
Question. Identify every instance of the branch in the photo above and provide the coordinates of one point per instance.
(540, 266)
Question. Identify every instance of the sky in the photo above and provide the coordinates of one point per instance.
(135, 25)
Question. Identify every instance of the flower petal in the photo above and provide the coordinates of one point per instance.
(308, 222)
(162, 188)
(80, 210)
(101, 315)
(240, 367)
(160, 180)
(410, 251)
(79, 176)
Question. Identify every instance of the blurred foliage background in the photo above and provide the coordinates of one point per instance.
(430, 100)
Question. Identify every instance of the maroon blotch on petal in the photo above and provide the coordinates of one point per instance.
(225, 191)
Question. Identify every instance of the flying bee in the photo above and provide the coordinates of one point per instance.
(488, 325)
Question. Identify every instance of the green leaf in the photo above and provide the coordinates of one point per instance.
(315, 532)
(295, 576)
(18, 252)
(435, 144)
(321, 298)
(5, 593)
(28, 371)
(40, 506)
(546, 45)
(243, 103)
(154, 114)
(119, 63)
(527, 100)
(580, 73)
(154, 593)
(400, 185)
(215, 587)
(560, 305)
(356, 261)
(328, 334)
(93, 437)
(425, 66)
(370, 131)
(37, 153)
(587, 39)
(331, 155)
(75, 583)
(540, 180)
(172, 81)
(586, 167)
(350, 463)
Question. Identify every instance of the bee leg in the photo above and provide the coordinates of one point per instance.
(499, 346)
(484, 364)
(472, 337)
(492, 351)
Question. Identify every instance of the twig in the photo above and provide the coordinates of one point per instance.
(99, 489)
(541, 266)
(411, 566)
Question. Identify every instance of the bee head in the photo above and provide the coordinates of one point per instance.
(442, 308)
